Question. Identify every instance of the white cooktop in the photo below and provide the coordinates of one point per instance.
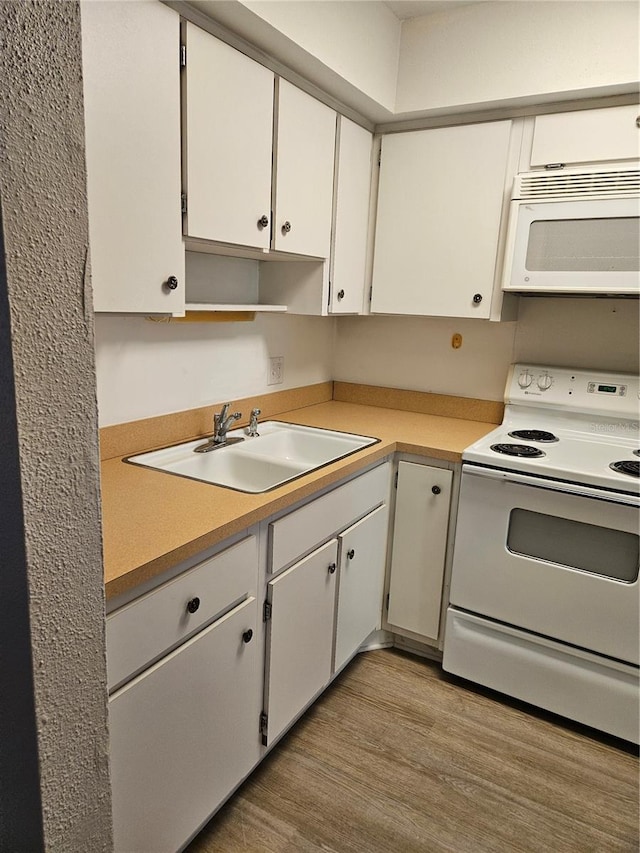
(595, 417)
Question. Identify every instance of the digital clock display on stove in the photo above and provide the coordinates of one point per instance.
(597, 388)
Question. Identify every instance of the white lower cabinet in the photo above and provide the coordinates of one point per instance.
(184, 733)
(299, 637)
(363, 550)
(212, 666)
(420, 532)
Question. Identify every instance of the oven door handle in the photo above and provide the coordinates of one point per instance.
(551, 485)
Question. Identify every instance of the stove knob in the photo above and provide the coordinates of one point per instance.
(545, 381)
(525, 379)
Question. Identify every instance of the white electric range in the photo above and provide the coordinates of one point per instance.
(544, 600)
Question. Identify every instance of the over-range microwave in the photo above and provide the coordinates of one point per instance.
(574, 232)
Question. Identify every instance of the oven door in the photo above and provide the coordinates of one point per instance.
(588, 246)
(553, 558)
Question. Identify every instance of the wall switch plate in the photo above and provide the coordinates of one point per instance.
(276, 370)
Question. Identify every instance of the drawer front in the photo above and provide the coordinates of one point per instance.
(140, 632)
(300, 531)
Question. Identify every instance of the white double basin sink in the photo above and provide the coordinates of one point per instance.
(281, 452)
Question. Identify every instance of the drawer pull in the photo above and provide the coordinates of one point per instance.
(193, 605)
(247, 636)
(351, 554)
(332, 568)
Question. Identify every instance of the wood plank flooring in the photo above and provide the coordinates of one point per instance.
(399, 757)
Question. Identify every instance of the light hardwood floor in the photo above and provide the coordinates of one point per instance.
(398, 757)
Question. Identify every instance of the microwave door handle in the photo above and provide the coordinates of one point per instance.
(554, 486)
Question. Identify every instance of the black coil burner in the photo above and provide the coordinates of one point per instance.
(522, 450)
(534, 435)
(627, 466)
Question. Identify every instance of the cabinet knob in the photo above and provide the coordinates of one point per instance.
(436, 490)
(193, 605)
(286, 227)
(332, 568)
(351, 554)
(247, 636)
(171, 283)
(477, 298)
(340, 295)
(263, 221)
(638, 121)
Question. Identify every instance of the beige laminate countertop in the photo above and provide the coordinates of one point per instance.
(153, 520)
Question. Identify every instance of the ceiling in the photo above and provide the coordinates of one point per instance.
(404, 9)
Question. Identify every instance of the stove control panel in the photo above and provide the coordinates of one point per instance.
(562, 388)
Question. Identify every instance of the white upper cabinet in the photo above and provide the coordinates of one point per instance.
(440, 203)
(304, 161)
(238, 172)
(130, 57)
(586, 136)
(351, 218)
(228, 143)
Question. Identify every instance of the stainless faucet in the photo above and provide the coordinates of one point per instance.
(221, 423)
(252, 429)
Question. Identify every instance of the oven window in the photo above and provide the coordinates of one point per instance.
(584, 245)
(598, 550)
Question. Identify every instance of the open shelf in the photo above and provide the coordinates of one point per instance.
(225, 306)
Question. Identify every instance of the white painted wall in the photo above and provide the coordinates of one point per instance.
(416, 353)
(507, 51)
(497, 53)
(357, 40)
(596, 333)
(146, 368)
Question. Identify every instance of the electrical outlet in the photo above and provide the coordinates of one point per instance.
(276, 370)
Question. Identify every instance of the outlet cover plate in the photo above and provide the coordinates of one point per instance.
(276, 370)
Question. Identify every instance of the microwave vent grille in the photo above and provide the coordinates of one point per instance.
(559, 185)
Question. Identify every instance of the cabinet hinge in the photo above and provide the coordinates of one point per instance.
(183, 202)
(266, 611)
(395, 480)
(379, 156)
(387, 602)
(264, 727)
(183, 56)
(370, 293)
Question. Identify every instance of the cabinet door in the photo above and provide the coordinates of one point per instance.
(440, 203)
(586, 136)
(351, 218)
(229, 124)
(184, 734)
(303, 198)
(363, 552)
(419, 547)
(132, 125)
(299, 636)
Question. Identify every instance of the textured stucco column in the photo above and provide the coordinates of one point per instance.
(54, 774)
